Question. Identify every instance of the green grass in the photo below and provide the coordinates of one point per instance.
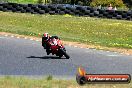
(26, 82)
(104, 32)
(23, 1)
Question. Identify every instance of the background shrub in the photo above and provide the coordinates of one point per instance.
(105, 3)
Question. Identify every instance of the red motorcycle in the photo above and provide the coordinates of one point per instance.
(57, 48)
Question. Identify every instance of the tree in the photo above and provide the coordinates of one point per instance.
(85, 2)
(44, 1)
(118, 3)
(128, 2)
(40, 1)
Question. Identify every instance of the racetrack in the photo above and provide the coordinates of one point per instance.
(27, 57)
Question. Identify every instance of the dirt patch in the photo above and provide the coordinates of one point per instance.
(76, 44)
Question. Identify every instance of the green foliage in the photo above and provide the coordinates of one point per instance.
(23, 1)
(128, 3)
(118, 3)
(40, 1)
(66, 1)
(80, 3)
(30, 1)
(49, 77)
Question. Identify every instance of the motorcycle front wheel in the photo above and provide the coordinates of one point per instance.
(64, 53)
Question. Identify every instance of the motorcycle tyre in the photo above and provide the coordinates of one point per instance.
(65, 54)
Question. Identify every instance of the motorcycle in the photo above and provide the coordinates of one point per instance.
(57, 48)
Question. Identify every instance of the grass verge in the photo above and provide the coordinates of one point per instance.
(26, 82)
(103, 32)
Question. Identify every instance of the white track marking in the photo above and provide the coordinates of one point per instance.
(12, 36)
(18, 37)
(101, 50)
(112, 55)
(115, 52)
(31, 39)
(25, 38)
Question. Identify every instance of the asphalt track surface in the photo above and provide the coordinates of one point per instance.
(27, 57)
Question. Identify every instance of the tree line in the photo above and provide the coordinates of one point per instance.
(118, 3)
(104, 3)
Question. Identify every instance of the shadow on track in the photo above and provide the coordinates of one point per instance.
(46, 57)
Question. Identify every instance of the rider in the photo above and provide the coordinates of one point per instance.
(46, 39)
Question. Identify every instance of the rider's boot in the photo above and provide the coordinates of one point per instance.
(48, 51)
